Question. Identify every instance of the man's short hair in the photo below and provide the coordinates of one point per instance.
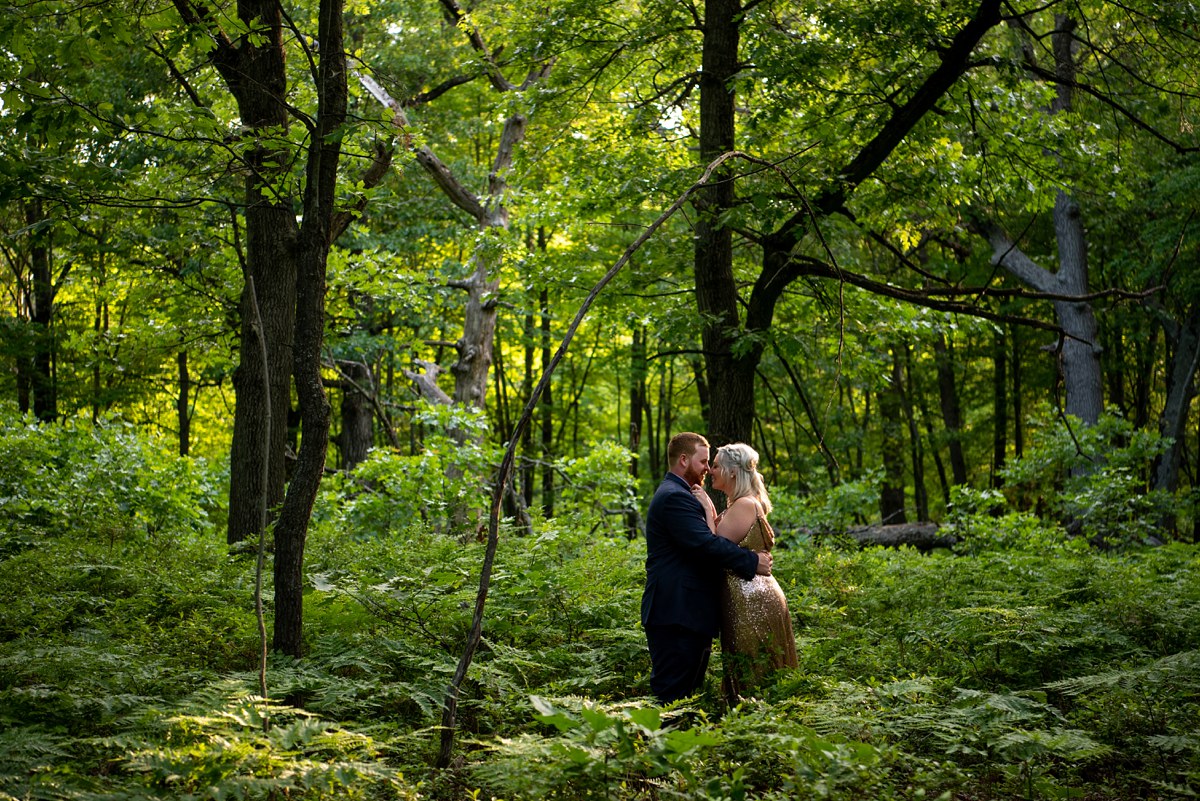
(684, 443)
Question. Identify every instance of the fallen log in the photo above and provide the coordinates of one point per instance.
(922, 536)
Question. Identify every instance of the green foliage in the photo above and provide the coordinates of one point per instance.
(1026, 664)
(840, 507)
(1101, 471)
(107, 482)
(593, 750)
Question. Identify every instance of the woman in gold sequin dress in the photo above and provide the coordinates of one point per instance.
(756, 629)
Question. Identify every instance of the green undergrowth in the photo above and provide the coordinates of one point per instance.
(1024, 665)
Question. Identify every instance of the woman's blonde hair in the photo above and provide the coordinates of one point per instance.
(740, 463)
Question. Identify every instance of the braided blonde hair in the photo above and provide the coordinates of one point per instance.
(740, 462)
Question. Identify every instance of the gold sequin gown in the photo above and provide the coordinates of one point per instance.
(756, 629)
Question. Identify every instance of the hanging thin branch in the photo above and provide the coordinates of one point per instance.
(450, 705)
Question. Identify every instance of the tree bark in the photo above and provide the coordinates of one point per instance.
(637, 404)
(731, 411)
(1018, 415)
(909, 398)
(321, 174)
(526, 471)
(252, 67)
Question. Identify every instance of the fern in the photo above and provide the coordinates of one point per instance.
(1180, 670)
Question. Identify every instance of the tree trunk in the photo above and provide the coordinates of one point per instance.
(999, 407)
(252, 67)
(951, 414)
(1018, 416)
(181, 404)
(891, 496)
(547, 412)
(1145, 351)
(730, 403)
(321, 173)
(1079, 355)
(909, 399)
(41, 379)
(526, 471)
(1181, 388)
(637, 403)
(357, 415)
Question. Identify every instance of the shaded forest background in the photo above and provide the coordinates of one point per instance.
(414, 295)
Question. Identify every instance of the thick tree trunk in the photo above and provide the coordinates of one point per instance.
(891, 401)
(730, 378)
(474, 362)
(1080, 357)
(253, 69)
(324, 153)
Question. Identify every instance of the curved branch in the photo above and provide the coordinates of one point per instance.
(450, 707)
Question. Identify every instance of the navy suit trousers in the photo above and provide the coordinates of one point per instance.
(679, 657)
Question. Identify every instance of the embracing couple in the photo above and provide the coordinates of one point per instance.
(708, 574)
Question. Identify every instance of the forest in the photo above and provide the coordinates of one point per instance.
(341, 342)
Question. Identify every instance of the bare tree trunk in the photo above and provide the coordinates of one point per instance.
(1079, 357)
(1145, 351)
(526, 471)
(1018, 415)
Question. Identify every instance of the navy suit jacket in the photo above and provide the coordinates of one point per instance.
(686, 562)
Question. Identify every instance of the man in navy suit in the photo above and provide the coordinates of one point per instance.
(685, 565)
